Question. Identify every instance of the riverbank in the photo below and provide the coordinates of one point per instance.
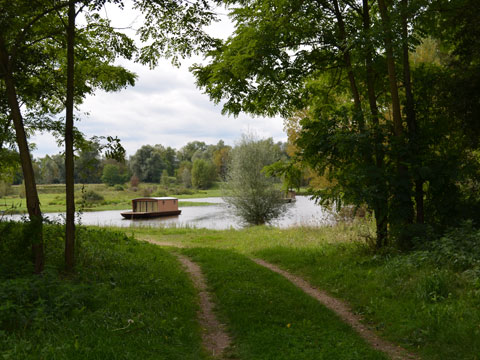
(426, 301)
(97, 197)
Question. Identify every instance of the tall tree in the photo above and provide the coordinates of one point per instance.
(336, 61)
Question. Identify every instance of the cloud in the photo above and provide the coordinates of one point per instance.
(164, 107)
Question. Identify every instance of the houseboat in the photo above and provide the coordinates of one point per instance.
(150, 207)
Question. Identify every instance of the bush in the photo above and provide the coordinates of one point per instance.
(119, 187)
(5, 189)
(459, 247)
(182, 191)
(148, 191)
(91, 196)
(134, 182)
(160, 193)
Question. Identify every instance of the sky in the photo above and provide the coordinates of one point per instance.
(164, 107)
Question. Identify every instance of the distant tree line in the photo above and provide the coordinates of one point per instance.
(196, 165)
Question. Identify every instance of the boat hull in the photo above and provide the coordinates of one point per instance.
(148, 215)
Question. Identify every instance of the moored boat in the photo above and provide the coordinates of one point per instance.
(151, 207)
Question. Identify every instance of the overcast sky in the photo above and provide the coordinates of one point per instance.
(164, 107)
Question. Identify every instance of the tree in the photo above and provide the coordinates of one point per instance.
(186, 152)
(203, 173)
(255, 197)
(221, 158)
(113, 175)
(348, 67)
(88, 164)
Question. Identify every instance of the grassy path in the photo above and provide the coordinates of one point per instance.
(344, 312)
(335, 305)
(269, 318)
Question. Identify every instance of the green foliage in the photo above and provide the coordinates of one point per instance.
(203, 174)
(370, 156)
(254, 197)
(149, 162)
(5, 188)
(459, 248)
(91, 196)
(114, 175)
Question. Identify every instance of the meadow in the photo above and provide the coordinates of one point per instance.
(98, 197)
(129, 299)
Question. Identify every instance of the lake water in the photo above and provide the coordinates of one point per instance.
(302, 212)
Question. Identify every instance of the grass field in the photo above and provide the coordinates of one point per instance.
(271, 319)
(416, 300)
(126, 300)
(424, 300)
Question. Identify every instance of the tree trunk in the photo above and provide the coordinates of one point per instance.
(33, 202)
(403, 200)
(381, 204)
(348, 64)
(69, 160)
(410, 114)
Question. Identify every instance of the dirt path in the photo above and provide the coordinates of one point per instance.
(160, 243)
(215, 338)
(345, 313)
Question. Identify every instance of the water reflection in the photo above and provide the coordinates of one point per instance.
(217, 216)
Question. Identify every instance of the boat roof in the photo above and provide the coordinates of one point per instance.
(156, 198)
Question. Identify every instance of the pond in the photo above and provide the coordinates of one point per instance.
(302, 212)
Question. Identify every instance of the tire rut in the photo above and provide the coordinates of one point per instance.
(214, 336)
(345, 313)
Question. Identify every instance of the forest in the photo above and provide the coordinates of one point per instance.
(196, 164)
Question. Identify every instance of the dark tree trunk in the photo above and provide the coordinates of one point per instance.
(403, 200)
(348, 64)
(33, 202)
(381, 204)
(69, 160)
(410, 113)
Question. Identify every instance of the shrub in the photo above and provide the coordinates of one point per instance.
(256, 198)
(91, 196)
(134, 182)
(149, 190)
(5, 189)
(119, 187)
(160, 193)
(459, 247)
